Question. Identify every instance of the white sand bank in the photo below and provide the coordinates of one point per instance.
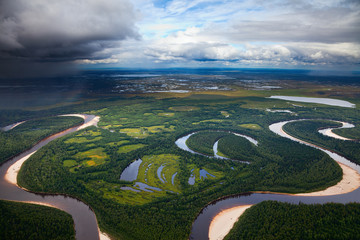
(12, 172)
(223, 222)
(349, 182)
(103, 236)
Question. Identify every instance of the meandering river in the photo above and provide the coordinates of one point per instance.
(85, 220)
(200, 228)
(86, 226)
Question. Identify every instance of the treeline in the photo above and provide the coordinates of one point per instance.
(27, 134)
(25, 221)
(308, 131)
(275, 220)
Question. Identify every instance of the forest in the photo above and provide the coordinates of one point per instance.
(88, 164)
(33, 222)
(145, 125)
(308, 130)
(275, 220)
(30, 132)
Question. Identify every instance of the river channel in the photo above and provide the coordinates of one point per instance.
(85, 220)
(86, 226)
(200, 228)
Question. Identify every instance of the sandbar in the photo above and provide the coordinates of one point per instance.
(103, 236)
(328, 132)
(223, 222)
(349, 182)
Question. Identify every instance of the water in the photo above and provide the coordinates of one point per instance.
(146, 188)
(204, 174)
(173, 178)
(191, 180)
(84, 218)
(130, 173)
(181, 143)
(333, 135)
(159, 170)
(215, 150)
(200, 227)
(326, 101)
(11, 126)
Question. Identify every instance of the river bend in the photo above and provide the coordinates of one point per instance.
(86, 226)
(201, 225)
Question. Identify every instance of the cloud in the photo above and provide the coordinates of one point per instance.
(259, 32)
(143, 33)
(63, 31)
(195, 45)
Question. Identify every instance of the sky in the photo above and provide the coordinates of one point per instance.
(48, 36)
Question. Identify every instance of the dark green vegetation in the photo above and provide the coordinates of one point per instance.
(307, 130)
(274, 220)
(88, 164)
(203, 142)
(27, 134)
(28, 221)
(351, 133)
(239, 148)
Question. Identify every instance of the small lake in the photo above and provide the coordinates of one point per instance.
(130, 173)
(326, 101)
(204, 174)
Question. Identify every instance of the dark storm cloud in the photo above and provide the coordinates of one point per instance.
(40, 31)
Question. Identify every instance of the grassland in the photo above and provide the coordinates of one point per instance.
(251, 126)
(148, 172)
(129, 148)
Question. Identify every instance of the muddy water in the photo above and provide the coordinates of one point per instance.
(86, 226)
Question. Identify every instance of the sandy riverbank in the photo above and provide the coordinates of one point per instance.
(92, 122)
(328, 132)
(103, 236)
(12, 172)
(349, 182)
(223, 222)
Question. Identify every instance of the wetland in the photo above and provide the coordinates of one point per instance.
(159, 154)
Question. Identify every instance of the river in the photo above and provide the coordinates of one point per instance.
(85, 220)
(201, 225)
(86, 226)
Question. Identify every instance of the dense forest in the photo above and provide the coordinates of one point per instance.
(21, 221)
(30, 132)
(203, 142)
(308, 130)
(88, 164)
(275, 220)
(239, 148)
